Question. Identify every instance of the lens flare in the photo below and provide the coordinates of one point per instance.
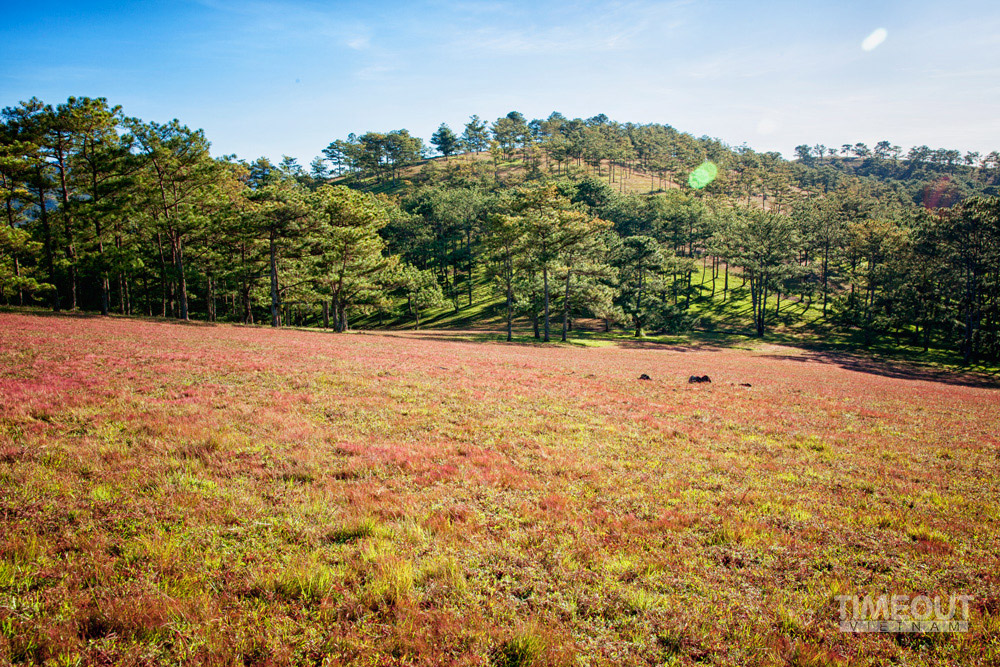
(874, 39)
(703, 175)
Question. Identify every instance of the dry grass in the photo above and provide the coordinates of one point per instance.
(223, 495)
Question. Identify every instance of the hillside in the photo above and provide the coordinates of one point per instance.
(640, 227)
(657, 158)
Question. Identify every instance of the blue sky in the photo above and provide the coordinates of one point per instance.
(274, 78)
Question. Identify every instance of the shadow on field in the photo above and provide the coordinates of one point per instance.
(577, 339)
(39, 312)
(691, 344)
(90, 315)
(902, 370)
(590, 335)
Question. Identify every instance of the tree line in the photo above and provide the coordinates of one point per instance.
(666, 156)
(110, 213)
(676, 261)
(113, 214)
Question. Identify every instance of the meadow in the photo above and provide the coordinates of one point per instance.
(192, 494)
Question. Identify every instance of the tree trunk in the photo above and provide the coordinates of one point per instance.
(638, 308)
(47, 241)
(128, 294)
(17, 264)
(149, 298)
(211, 299)
(122, 283)
(181, 279)
(468, 247)
(245, 302)
(20, 290)
(968, 349)
(510, 309)
(763, 309)
(105, 280)
(545, 283)
(67, 223)
(565, 324)
(826, 260)
(163, 275)
(73, 279)
(275, 297)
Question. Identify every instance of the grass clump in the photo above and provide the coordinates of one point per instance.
(390, 583)
(522, 650)
(308, 581)
(923, 533)
(353, 531)
(445, 571)
(641, 601)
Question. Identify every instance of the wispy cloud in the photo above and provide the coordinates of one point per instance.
(295, 22)
(471, 6)
(775, 74)
(375, 72)
(584, 28)
(745, 62)
(359, 43)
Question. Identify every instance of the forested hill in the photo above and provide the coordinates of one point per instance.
(528, 225)
(651, 157)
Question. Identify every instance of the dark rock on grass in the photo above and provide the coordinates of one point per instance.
(645, 377)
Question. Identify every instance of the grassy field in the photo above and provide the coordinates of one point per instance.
(194, 494)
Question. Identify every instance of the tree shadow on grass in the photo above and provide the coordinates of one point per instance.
(90, 315)
(804, 352)
(902, 369)
(578, 339)
(840, 353)
(696, 341)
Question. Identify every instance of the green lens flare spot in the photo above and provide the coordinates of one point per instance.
(703, 175)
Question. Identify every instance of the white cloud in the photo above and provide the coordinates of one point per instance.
(872, 41)
(359, 43)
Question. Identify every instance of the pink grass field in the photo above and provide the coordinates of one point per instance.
(194, 494)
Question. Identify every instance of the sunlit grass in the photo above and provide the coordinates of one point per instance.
(226, 494)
